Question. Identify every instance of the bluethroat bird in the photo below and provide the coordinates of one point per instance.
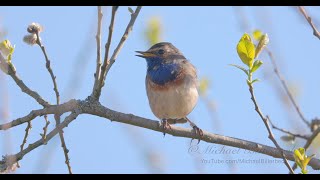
(171, 85)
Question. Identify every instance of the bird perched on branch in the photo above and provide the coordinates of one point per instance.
(171, 84)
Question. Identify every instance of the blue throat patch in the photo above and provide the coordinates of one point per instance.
(161, 73)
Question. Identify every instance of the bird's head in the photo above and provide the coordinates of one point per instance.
(161, 53)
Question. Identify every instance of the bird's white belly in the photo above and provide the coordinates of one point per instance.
(173, 103)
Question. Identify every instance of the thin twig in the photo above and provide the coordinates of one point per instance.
(97, 89)
(55, 88)
(11, 71)
(288, 132)
(308, 143)
(265, 121)
(308, 18)
(52, 109)
(114, 56)
(45, 128)
(285, 86)
(53, 77)
(24, 141)
(98, 40)
(40, 142)
(63, 144)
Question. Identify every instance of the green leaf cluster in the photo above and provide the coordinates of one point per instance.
(6, 49)
(248, 51)
(302, 159)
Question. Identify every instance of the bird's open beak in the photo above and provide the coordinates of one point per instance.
(145, 54)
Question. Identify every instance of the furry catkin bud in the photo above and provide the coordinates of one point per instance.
(34, 28)
(30, 39)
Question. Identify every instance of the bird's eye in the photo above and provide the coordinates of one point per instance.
(161, 51)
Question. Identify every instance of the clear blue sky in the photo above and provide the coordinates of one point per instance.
(207, 36)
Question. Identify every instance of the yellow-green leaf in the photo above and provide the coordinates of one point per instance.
(246, 36)
(246, 50)
(302, 151)
(257, 34)
(307, 160)
(6, 48)
(298, 154)
(256, 65)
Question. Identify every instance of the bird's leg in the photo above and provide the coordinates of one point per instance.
(165, 125)
(197, 130)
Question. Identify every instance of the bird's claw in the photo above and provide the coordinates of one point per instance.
(165, 125)
(198, 132)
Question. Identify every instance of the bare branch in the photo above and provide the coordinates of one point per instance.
(52, 109)
(99, 110)
(16, 157)
(265, 121)
(26, 89)
(98, 40)
(285, 86)
(97, 88)
(11, 71)
(288, 132)
(26, 135)
(116, 51)
(63, 143)
(24, 141)
(308, 18)
(53, 77)
(95, 108)
(55, 88)
(45, 128)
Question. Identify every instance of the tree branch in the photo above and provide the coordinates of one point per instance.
(116, 51)
(285, 86)
(95, 108)
(97, 88)
(99, 110)
(11, 160)
(308, 18)
(265, 121)
(24, 141)
(24, 88)
(52, 109)
(45, 128)
(288, 132)
(98, 40)
(55, 88)
(53, 77)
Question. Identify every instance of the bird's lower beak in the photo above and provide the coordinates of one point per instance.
(145, 54)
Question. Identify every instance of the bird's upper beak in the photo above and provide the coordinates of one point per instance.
(145, 54)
